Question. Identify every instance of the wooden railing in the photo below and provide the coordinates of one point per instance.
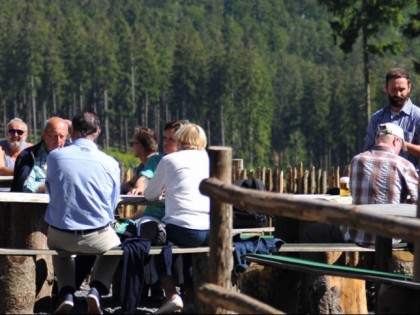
(223, 194)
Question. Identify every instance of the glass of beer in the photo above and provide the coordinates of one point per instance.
(345, 186)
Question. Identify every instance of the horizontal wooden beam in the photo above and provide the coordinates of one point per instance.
(233, 301)
(276, 204)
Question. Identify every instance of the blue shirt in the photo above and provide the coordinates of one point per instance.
(408, 119)
(84, 185)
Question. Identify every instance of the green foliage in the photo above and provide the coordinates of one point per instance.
(263, 77)
(128, 160)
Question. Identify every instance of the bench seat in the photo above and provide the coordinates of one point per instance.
(154, 250)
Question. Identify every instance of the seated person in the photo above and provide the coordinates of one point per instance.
(144, 145)
(31, 164)
(377, 176)
(15, 143)
(187, 211)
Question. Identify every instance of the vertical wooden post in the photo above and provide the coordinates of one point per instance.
(312, 181)
(416, 266)
(237, 167)
(221, 259)
(269, 179)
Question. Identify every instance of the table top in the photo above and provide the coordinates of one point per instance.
(6, 182)
(45, 198)
(402, 209)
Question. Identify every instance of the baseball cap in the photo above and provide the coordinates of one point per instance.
(393, 129)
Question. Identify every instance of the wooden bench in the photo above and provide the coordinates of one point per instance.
(199, 254)
(332, 247)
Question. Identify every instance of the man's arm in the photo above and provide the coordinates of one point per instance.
(4, 170)
(413, 149)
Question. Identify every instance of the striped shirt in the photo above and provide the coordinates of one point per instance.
(408, 119)
(379, 176)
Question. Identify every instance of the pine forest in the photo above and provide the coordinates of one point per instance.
(280, 81)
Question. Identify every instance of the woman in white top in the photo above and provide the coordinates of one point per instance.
(187, 211)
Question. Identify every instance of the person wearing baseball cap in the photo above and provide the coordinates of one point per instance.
(394, 131)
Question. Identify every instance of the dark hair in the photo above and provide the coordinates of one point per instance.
(397, 73)
(176, 124)
(147, 138)
(85, 123)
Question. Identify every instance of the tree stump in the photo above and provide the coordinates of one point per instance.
(395, 299)
(26, 282)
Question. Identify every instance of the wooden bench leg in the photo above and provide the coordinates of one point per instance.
(200, 276)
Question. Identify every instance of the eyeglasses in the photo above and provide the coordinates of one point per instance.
(133, 143)
(12, 132)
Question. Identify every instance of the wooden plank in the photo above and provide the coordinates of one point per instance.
(7, 196)
(363, 217)
(259, 230)
(235, 301)
(323, 247)
(113, 252)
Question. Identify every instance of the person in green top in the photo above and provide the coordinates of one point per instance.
(144, 144)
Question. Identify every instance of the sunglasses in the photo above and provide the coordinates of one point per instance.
(12, 132)
(133, 143)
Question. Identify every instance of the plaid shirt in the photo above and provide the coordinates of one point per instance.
(379, 176)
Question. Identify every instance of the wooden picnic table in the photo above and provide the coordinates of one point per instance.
(383, 245)
(22, 225)
(5, 182)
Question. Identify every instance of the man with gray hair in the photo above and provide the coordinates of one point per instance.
(15, 143)
(31, 165)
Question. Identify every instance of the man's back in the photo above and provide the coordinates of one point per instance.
(381, 176)
(84, 181)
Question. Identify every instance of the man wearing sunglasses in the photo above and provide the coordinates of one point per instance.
(13, 145)
(31, 165)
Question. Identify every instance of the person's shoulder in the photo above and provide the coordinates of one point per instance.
(32, 149)
(414, 108)
(376, 115)
(3, 144)
(109, 158)
(155, 158)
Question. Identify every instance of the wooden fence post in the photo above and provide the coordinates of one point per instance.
(237, 168)
(221, 259)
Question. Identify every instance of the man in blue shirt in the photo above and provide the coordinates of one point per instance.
(399, 110)
(84, 185)
(30, 168)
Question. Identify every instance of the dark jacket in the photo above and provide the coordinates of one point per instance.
(24, 164)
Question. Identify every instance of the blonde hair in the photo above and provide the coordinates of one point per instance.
(191, 137)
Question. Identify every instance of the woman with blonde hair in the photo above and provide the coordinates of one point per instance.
(187, 211)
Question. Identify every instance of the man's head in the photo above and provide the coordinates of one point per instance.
(144, 141)
(16, 134)
(392, 135)
(169, 141)
(54, 133)
(85, 125)
(397, 87)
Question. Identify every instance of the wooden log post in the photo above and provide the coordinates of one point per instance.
(312, 181)
(221, 259)
(276, 179)
(289, 179)
(237, 167)
(25, 282)
(269, 179)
